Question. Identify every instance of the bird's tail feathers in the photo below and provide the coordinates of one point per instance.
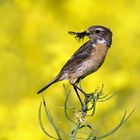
(49, 84)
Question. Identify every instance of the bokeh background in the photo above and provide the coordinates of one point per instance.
(34, 45)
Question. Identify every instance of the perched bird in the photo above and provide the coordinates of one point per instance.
(87, 59)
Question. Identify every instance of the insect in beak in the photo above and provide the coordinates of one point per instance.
(79, 35)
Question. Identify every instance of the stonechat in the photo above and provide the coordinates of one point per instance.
(87, 59)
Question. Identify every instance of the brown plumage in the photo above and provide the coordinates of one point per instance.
(88, 58)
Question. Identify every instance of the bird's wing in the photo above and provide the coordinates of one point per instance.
(82, 54)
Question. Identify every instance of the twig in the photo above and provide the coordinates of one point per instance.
(65, 105)
(75, 131)
(41, 124)
(49, 117)
(96, 96)
(123, 120)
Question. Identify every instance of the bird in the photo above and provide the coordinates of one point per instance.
(87, 59)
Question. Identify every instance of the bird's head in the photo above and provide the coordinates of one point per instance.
(100, 34)
(97, 34)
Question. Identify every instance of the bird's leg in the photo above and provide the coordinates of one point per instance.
(73, 84)
(84, 106)
(78, 95)
(85, 94)
(80, 89)
(88, 97)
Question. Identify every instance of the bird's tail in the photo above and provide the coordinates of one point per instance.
(49, 84)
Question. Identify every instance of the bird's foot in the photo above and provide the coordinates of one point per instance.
(87, 106)
(88, 98)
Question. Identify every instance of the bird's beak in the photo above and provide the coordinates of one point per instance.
(87, 32)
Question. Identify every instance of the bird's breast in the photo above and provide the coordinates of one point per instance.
(96, 58)
(100, 51)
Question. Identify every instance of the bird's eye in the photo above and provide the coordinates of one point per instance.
(97, 31)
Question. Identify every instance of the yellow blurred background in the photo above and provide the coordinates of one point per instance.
(34, 45)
